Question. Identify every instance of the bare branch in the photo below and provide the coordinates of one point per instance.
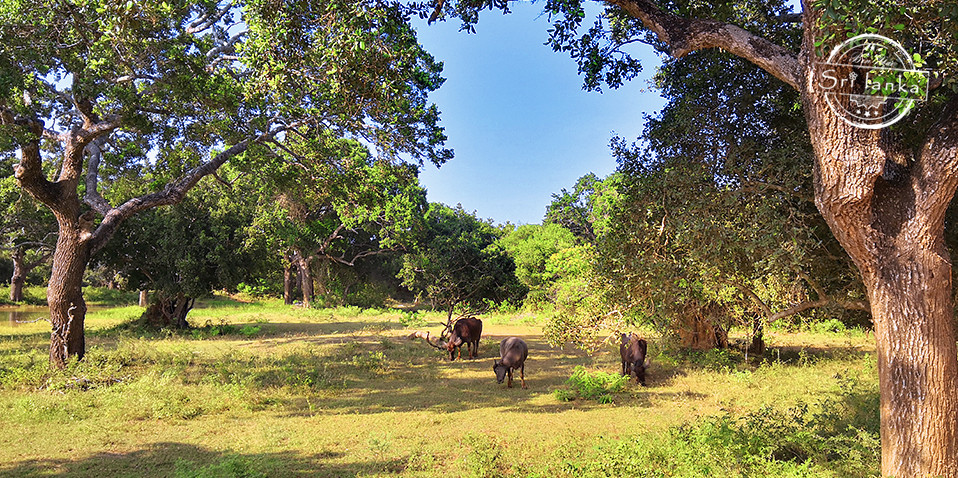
(227, 46)
(93, 198)
(684, 35)
(207, 21)
(173, 193)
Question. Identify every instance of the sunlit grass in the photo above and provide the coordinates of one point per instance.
(343, 392)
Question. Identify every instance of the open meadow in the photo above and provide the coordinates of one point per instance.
(265, 389)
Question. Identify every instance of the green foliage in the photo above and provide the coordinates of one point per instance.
(412, 318)
(839, 439)
(485, 458)
(460, 262)
(927, 28)
(573, 209)
(531, 246)
(827, 326)
(197, 246)
(222, 329)
(595, 385)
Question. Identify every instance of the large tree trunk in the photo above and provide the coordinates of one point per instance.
(306, 277)
(885, 201)
(289, 283)
(22, 268)
(886, 205)
(19, 276)
(65, 293)
(168, 311)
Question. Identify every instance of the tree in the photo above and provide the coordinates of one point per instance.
(188, 250)
(168, 92)
(335, 203)
(883, 192)
(27, 230)
(572, 210)
(460, 262)
(531, 246)
(718, 212)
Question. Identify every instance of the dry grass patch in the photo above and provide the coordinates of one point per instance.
(343, 393)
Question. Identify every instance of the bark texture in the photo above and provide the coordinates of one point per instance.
(304, 264)
(885, 203)
(289, 283)
(78, 234)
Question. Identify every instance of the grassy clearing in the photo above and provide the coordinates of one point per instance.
(342, 392)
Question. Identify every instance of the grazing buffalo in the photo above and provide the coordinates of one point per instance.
(634, 352)
(512, 355)
(466, 331)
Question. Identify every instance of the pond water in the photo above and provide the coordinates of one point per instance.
(17, 316)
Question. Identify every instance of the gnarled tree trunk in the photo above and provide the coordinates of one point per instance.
(19, 276)
(304, 264)
(289, 283)
(885, 202)
(886, 206)
(65, 291)
(169, 311)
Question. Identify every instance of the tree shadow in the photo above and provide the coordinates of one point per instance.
(188, 460)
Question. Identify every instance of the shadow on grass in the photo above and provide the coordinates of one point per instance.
(188, 460)
(427, 382)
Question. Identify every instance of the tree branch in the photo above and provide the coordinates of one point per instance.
(29, 171)
(206, 21)
(93, 198)
(684, 35)
(173, 193)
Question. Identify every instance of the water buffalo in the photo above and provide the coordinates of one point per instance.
(466, 331)
(634, 352)
(512, 355)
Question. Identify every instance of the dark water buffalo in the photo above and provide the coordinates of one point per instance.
(634, 352)
(512, 355)
(466, 331)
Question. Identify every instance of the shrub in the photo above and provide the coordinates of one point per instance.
(827, 326)
(841, 438)
(485, 458)
(595, 385)
(412, 318)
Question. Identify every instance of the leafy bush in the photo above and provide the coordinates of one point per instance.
(596, 385)
(840, 439)
(374, 362)
(485, 458)
(261, 288)
(827, 326)
(412, 318)
(223, 328)
(368, 296)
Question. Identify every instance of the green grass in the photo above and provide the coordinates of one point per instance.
(342, 392)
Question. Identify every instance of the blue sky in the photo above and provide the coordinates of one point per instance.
(515, 113)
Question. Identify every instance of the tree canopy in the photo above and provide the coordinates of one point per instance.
(161, 94)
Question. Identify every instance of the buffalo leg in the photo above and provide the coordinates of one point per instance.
(509, 372)
(522, 375)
